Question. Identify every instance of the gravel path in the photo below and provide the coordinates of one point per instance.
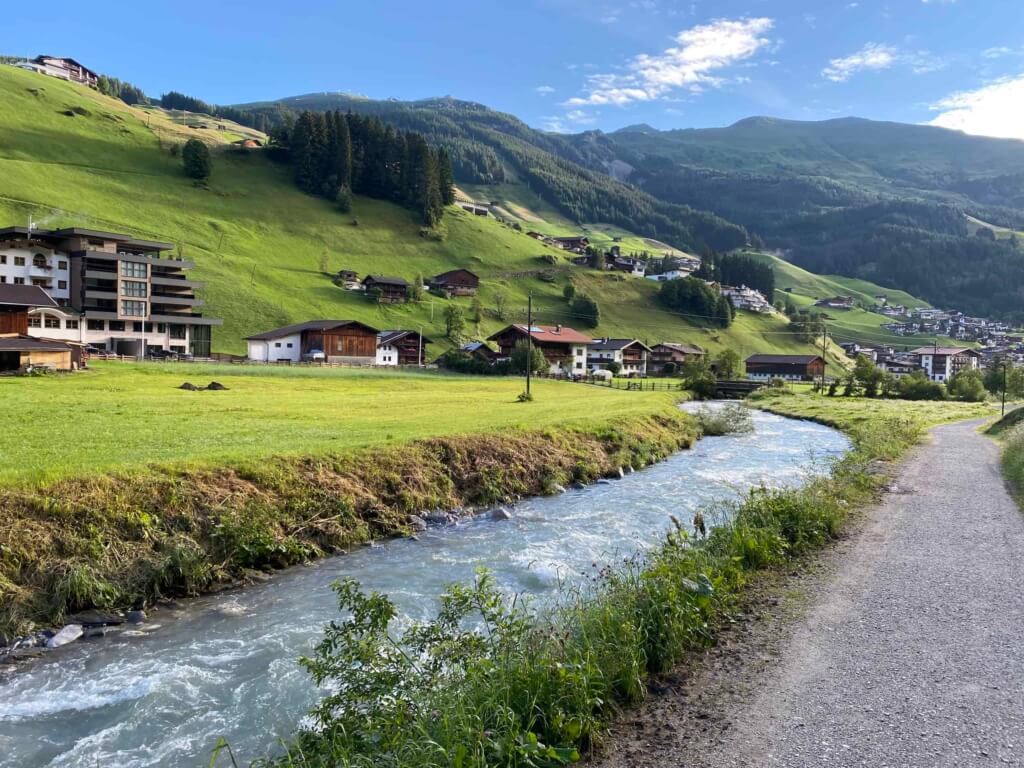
(909, 651)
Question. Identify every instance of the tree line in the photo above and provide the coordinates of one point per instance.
(693, 297)
(335, 155)
(737, 270)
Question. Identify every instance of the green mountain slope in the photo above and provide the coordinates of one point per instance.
(892, 203)
(69, 156)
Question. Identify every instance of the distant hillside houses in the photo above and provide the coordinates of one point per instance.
(747, 298)
(940, 364)
(63, 68)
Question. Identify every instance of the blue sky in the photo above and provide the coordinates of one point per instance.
(569, 65)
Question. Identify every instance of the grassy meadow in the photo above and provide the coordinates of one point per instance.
(70, 156)
(123, 415)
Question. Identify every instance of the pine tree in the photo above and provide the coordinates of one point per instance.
(303, 160)
(446, 179)
(195, 156)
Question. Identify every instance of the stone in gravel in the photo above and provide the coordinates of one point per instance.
(68, 634)
(501, 513)
(135, 617)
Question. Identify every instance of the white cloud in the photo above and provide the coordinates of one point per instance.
(700, 52)
(572, 120)
(993, 110)
(871, 57)
(610, 19)
(876, 57)
(544, 90)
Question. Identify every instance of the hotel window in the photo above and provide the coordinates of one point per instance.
(33, 322)
(51, 322)
(3, 278)
(3, 258)
(19, 281)
(161, 327)
(131, 288)
(71, 325)
(62, 285)
(62, 265)
(96, 325)
(133, 269)
(117, 325)
(133, 308)
(39, 260)
(19, 261)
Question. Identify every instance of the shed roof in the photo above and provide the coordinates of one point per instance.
(551, 334)
(310, 325)
(26, 344)
(686, 349)
(618, 344)
(790, 359)
(390, 337)
(944, 351)
(385, 280)
(25, 296)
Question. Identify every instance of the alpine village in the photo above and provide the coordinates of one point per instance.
(345, 431)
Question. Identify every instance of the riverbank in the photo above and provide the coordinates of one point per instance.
(865, 658)
(547, 685)
(124, 539)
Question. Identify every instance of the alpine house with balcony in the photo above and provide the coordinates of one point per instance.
(114, 291)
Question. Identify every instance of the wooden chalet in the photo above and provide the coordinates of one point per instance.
(64, 68)
(788, 367)
(402, 348)
(564, 348)
(455, 282)
(392, 289)
(572, 243)
(672, 352)
(333, 341)
(17, 348)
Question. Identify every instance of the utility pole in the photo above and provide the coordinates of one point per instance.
(529, 340)
(1004, 387)
(419, 351)
(824, 352)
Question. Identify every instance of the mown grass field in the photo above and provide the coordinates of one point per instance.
(847, 413)
(265, 249)
(121, 415)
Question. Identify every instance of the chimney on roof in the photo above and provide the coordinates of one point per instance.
(558, 329)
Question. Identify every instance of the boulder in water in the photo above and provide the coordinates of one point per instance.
(578, 486)
(558, 488)
(501, 513)
(135, 617)
(96, 619)
(437, 517)
(417, 523)
(68, 634)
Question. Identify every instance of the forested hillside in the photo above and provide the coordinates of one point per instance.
(488, 147)
(266, 250)
(880, 201)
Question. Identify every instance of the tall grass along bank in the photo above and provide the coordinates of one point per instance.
(536, 687)
(1010, 431)
(130, 537)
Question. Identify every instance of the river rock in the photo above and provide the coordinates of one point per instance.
(604, 481)
(558, 488)
(578, 486)
(100, 631)
(501, 513)
(622, 473)
(135, 617)
(417, 523)
(68, 634)
(630, 469)
(96, 619)
(437, 518)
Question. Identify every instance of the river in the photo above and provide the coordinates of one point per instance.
(225, 665)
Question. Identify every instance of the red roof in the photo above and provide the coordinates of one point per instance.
(549, 334)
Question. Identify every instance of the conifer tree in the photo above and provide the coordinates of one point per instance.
(446, 179)
(302, 152)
